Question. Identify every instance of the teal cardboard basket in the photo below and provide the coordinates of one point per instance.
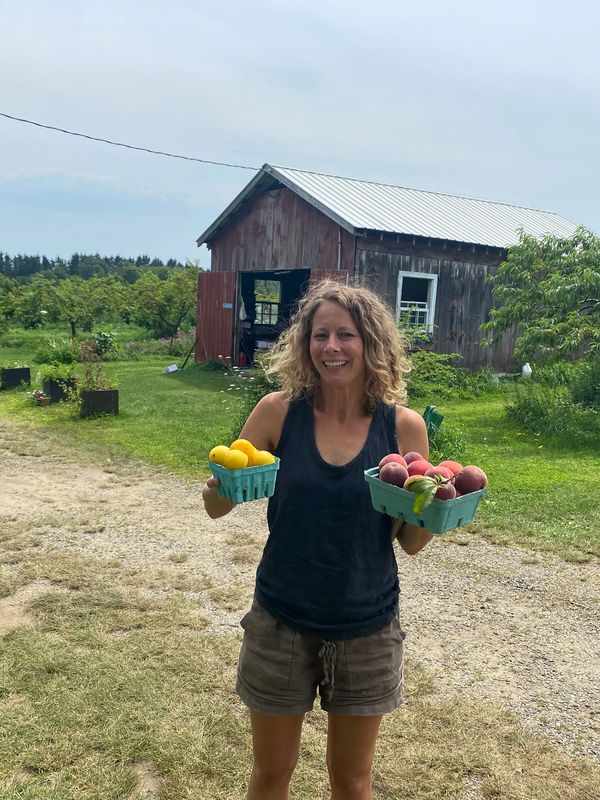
(439, 517)
(243, 485)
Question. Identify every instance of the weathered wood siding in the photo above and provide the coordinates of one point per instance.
(463, 300)
(279, 230)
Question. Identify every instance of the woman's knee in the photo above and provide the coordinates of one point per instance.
(273, 773)
(347, 785)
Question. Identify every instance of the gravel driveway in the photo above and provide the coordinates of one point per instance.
(491, 623)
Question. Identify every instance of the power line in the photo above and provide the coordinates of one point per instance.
(128, 146)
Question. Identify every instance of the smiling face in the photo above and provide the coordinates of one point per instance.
(336, 347)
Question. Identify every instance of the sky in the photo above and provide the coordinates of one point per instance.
(495, 99)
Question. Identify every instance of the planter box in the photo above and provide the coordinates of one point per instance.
(58, 390)
(99, 401)
(11, 377)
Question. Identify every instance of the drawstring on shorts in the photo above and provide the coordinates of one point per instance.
(328, 653)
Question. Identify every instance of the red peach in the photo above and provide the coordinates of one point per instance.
(396, 457)
(446, 491)
(454, 466)
(443, 472)
(413, 456)
(470, 479)
(393, 473)
(418, 467)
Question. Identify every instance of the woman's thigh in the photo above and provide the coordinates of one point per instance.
(351, 745)
(276, 740)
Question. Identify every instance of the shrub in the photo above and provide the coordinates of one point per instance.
(247, 387)
(105, 344)
(447, 442)
(434, 376)
(56, 351)
(561, 373)
(551, 410)
(93, 377)
(57, 372)
(585, 388)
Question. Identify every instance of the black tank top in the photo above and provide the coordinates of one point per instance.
(328, 568)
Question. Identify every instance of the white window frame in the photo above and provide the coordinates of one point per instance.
(431, 296)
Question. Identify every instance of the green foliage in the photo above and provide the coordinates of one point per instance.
(165, 306)
(434, 376)
(56, 350)
(550, 289)
(585, 388)
(105, 343)
(246, 388)
(84, 265)
(552, 412)
(32, 302)
(160, 298)
(6, 302)
(559, 373)
(448, 442)
(57, 372)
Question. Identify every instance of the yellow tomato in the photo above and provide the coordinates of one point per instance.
(235, 459)
(218, 454)
(245, 446)
(262, 457)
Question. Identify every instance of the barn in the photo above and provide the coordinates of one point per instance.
(426, 254)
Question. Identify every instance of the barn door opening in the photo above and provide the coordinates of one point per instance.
(267, 299)
(415, 303)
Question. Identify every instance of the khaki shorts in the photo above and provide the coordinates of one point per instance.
(281, 671)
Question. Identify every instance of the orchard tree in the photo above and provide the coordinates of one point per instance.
(7, 301)
(71, 303)
(110, 299)
(165, 305)
(34, 301)
(549, 288)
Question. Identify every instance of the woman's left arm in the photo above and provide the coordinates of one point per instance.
(411, 433)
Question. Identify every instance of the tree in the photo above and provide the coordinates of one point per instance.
(165, 305)
(7, 300)
(550, 289)
(109, 299)
(34, 301)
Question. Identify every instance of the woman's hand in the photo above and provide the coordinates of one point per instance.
(215, 505)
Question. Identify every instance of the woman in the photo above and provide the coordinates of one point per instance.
(325, 613)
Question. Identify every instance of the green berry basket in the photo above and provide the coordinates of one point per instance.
(243, 485)
(439, 517)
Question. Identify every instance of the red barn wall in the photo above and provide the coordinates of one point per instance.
(280, 230)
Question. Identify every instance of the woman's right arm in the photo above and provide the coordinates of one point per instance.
(263, 429)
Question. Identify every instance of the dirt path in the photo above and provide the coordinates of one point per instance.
(491, 623)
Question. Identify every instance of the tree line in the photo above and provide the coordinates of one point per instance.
(84, 265)
(158, 296)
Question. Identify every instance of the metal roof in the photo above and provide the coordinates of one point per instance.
(363, 205)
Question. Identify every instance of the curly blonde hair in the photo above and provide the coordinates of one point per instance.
(386, 363)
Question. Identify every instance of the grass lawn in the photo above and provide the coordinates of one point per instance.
(539, 492)
(170, 420)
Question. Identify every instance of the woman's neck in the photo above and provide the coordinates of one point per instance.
(343, 404)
